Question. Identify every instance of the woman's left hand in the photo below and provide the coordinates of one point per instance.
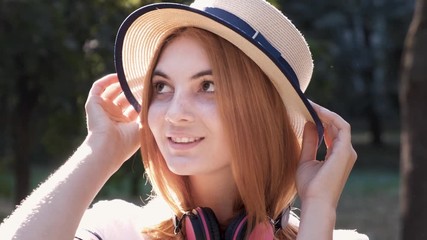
(322, 182)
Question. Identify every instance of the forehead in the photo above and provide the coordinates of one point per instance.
(183, 53)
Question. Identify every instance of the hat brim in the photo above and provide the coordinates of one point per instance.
(143, 30)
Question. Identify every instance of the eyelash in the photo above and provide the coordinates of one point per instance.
(207, 82)
(157, 84)
(163, 84)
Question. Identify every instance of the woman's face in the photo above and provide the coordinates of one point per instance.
(183, 115)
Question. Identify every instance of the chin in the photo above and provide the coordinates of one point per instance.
(181, 166)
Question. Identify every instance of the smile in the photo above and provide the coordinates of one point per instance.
(184, 139)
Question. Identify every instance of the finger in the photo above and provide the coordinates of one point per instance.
(330, 118)
(309, 143)
(100, 85)
(121, 101)
(331, 133)
(127, 109)
(112, 91)
(338, 140)
(114, 112)
(131, 113)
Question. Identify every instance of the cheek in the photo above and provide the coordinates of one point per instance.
(154, 119)
(213, 120)
(218, 127)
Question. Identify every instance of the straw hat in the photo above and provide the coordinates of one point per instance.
(254, 26)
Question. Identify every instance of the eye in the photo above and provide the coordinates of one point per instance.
(161, 87)
(208, 86)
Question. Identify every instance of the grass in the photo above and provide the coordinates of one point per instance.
(370, 204)
(370, 200)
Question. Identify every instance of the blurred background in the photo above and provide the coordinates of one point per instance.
(52, 51)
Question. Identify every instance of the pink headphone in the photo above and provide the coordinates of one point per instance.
(201, 223)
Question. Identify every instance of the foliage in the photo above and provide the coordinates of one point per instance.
(356, 46)
(53, 50)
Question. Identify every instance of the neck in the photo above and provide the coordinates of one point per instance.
(216, 191)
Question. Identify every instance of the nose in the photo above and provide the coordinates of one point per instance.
(180, 110)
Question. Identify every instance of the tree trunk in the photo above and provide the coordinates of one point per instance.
(22, 155)
(413, 97)
(21, 134)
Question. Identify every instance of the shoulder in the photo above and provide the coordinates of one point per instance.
(119, 219)
(112, 211)
(339, 234)
(349, 235)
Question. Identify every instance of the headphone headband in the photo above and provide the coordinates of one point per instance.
(201, 223)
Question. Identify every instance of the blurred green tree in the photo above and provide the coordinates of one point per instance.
(51, 52)
(356, 46)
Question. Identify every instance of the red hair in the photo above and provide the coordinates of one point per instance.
(265, 149)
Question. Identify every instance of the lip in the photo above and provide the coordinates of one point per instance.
(185, 146)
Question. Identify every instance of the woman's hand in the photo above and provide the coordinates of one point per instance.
(320, 183)
(55, 208)
(113, 124)
(325, 180)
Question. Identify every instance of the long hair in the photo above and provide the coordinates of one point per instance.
(264, 147)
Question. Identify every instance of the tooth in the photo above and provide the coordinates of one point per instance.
(184, 139)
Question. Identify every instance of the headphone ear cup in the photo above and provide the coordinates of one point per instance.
(262, 231)
(211, 223)
(237, 228)
(202, 223)
(193, 228)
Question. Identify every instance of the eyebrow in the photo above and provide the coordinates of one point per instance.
(195, 76)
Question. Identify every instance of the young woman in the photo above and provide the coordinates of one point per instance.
(228, 139)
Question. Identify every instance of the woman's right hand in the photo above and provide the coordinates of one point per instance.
(112, 123)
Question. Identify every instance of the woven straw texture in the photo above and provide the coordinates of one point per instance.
(147, 31)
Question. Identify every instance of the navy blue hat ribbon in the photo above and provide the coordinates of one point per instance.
(250, 32)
